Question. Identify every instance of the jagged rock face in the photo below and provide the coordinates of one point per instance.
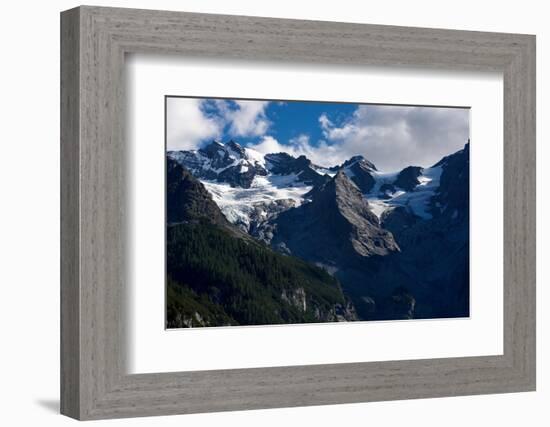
(261, 220)
(295, 297)
(433, 265)
(398, 219)
(359, 170)
(452, 197)
(285, 164)
(338, 313)
(238, 166)
(335, 225)
(361, 176)
(187, 199)
(408, 178)
(366, 164)
(228, 163)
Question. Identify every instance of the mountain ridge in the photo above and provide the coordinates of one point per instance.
(397, 242)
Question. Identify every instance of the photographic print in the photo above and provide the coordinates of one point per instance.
(288, 212)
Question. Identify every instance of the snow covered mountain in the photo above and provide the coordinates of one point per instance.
(251, 189)
(396, 241)
(229, 163)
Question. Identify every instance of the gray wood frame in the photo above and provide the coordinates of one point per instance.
(94, 41)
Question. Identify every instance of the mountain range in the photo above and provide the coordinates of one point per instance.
(395, 244)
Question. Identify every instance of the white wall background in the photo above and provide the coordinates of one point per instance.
(29, 214)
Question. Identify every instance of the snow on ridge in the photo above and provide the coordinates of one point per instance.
(196, 161)
(381, 178)
(238, 204)
(418, 200)
(378, 207)
(322, 171)
(255, 156)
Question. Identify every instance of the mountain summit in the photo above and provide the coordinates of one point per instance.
(230, 163)
(335, 225)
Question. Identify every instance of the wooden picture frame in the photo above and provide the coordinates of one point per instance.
(94, 41)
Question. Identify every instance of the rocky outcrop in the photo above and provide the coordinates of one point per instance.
(295, 297)
(359, 170)
(429, 278)
(261, 219)
(453, 195)
(227, 163)
(285, 164)
(407, 179)
(335, 225)
(187, 199)
(366, 164)
(398, 219)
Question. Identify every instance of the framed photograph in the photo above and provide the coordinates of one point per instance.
(262, 213)
(311, 230)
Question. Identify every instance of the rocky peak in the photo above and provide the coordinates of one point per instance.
(302, 163)
(214, 149)
(187, 199)
(343, 184)
(337, 224)
(227, 163)
(356, 160)
(359, 170)
(285, 164)
(407, 179)
(217, 151)
(279, 163)
(343, 194)
(237, 148)
(350, 202)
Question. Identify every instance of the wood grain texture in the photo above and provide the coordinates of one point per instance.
(94, 236)
(70, 220)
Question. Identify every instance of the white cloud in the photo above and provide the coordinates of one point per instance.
(393, 137)
(269, 145)
(187, 125)
(192, 121)
(322, 154)
(248, 119)
(325, 123)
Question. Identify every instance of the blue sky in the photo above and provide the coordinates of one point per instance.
(290, 120)
(392, 137)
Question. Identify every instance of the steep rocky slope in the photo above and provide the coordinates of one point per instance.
(218, 275)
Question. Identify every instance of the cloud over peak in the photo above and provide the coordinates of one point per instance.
(392, 137)
(396, 136)
(187, 125)
(191, 121)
